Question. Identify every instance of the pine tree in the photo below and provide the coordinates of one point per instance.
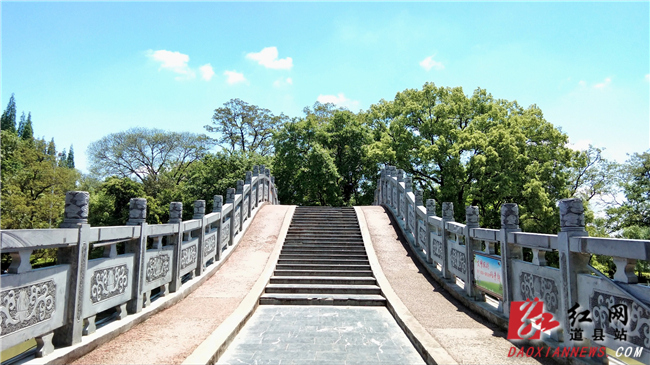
(27, 132)
(70, 160)
(9, 116)
(21, 125)
(63, 159)
(51, 148)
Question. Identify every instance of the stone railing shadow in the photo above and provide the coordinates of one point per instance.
(60, 304)
(592, 310)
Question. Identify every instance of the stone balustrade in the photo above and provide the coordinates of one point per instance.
(57, 305)
(463, 257)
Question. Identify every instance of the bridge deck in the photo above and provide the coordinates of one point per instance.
(170, 336)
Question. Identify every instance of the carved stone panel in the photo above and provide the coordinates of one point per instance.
(422, 235)
(109, 282)
(535, 286)
(237, 218)
(188, 256)
(209, 245)
(247, 212)
(26, 306)
(225, 232)
(458, 260)
(436, 246)
(394, 201)
(266, 190)
(412, 220)
(157, 267)
(402, 204)
(638, 319)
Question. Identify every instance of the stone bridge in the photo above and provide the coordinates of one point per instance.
(261, 283)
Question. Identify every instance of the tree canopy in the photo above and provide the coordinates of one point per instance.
(146, 154)
(244, 128)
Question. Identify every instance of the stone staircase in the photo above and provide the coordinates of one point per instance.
(323, 262)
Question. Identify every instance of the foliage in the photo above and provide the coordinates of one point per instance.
(154, 157)
(8, 120)
(458, 148)
(245, 128)
(322, 159)
(33, 186)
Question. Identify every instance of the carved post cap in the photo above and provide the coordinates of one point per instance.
(262, 167)
(267, 172)
(137, 211)
(256, 170)
(431, 207)
(175, 212)
(408, 183)
(448, 211)
(471, 216)
(218, 203)
(273, 179)
(240, 186)
(418, 198)
(400, 175)
(199, 209)
(509, 216)
(572, 215)
(230, 195)
(249, 177)
(76, 209)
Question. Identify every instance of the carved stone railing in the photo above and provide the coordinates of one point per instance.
(463, 257)
(57, 305)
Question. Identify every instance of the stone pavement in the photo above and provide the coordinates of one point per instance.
(287, 334)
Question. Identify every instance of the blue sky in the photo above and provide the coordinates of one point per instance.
(85, 70)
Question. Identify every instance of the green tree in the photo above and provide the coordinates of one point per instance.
(476, 151)
(245, 128)
(8, 119)
(634, 179)
(157, 158)
(70, 158)
(33, 187)
(27, 132)
(321, 159)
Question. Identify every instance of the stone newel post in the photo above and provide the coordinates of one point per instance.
(447, 216)
(471, 221)
(431, 211)
(199, 209)
(76, 209)
(176, 216)
(76, 216)
(218, 203)
(572, 224)
(230, 199)
(509, 224)
(199, 213)
(137, 216)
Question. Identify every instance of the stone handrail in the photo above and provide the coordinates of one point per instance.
(57, 305)
(463, 257)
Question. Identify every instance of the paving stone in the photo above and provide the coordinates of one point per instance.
(345, 335)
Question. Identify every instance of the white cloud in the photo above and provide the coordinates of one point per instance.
(173, 61)
(580, 145)
(268, 57)
(283, 82)
(339, 100)
(582, 83)
(647, 77)
(234, 77)
(206, 72)
(429, 63)
(603, 84)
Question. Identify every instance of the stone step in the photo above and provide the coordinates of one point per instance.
(320, 249)
(341, 273)
(324, 256)
(325, 240)
(322, 289)
(322, 267)
(322, 261)
(324, 230)
(333, 280)
(322, 299)
(325, 246)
